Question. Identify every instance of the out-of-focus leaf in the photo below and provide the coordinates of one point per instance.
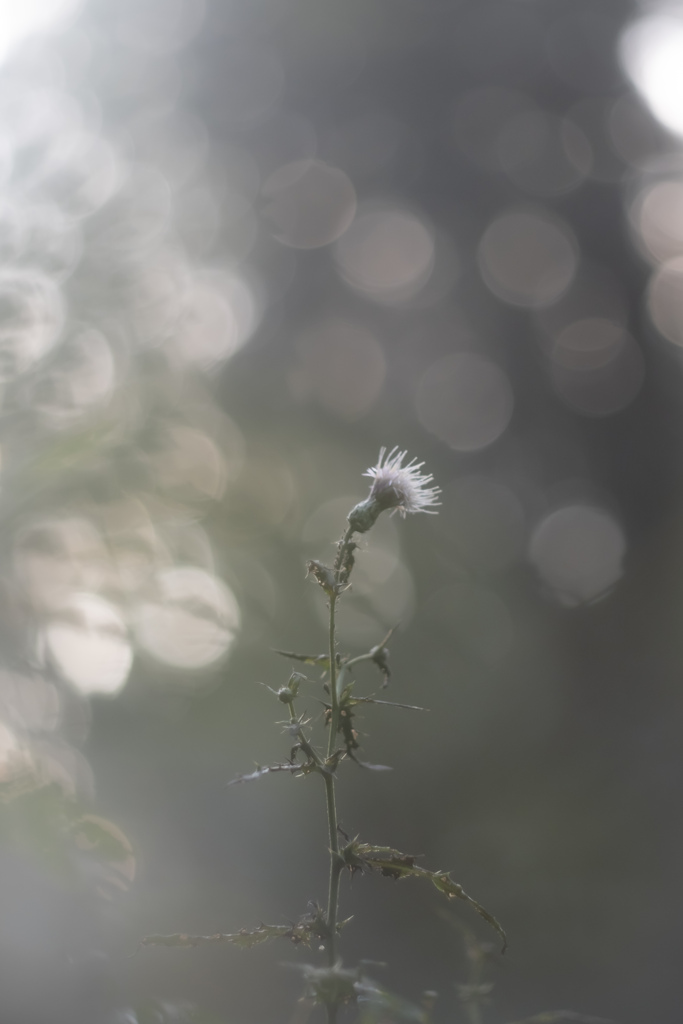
(104, 853)
(378, 1005)
(166, 1012)
(558, 1016)
(330, 986)
(101, 837)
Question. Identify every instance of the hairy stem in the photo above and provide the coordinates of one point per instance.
(333, 898)
(334, 696)
(328, 777)
(341, 550)
(335, 872)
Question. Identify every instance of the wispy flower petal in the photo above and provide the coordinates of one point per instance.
(402, 488)
(395, 488)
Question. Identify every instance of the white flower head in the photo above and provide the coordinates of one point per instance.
(395, 488)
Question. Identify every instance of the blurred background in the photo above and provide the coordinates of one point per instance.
(243, 245)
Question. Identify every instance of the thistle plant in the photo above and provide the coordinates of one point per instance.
(397, 486)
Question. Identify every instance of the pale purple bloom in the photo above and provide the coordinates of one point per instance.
(395, 488)
(402, 488)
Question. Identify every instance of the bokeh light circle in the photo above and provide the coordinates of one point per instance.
(578, 552)
(309, 203)
(32, 312)
(341, 366)
(87, 642)
(665, 300)
(657, 215)
(466, 400)
(79, 380)
(597, 367)
(220, 313)
(528, 257)
(387, 254)
(190, 622)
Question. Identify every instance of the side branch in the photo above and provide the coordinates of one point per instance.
(309, 930)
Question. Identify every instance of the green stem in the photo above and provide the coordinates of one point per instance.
(328, 778)
(333, 898)
(335, 870)
(334, 696)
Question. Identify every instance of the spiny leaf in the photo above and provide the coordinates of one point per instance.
(380, 656)
(259, 772)
(395, 864)
(322, 660)
(388, 703)
(308, 929)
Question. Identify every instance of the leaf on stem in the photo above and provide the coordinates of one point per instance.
(380, 657)
(346, 559)
(301, 933)
(310, 928)
(388, 703)
(347, 704)
(394, 864)
(304, 769)
(322, 660)
(325, 577)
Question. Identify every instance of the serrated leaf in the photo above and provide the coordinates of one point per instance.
(388, 703)
(321, 660)
(260, 772)
(394, 864)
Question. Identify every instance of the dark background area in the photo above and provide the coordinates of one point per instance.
(246, 245)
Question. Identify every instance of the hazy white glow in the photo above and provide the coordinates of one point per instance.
(87, 642)
(19, 18)
(192, 620)
(652, 54)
